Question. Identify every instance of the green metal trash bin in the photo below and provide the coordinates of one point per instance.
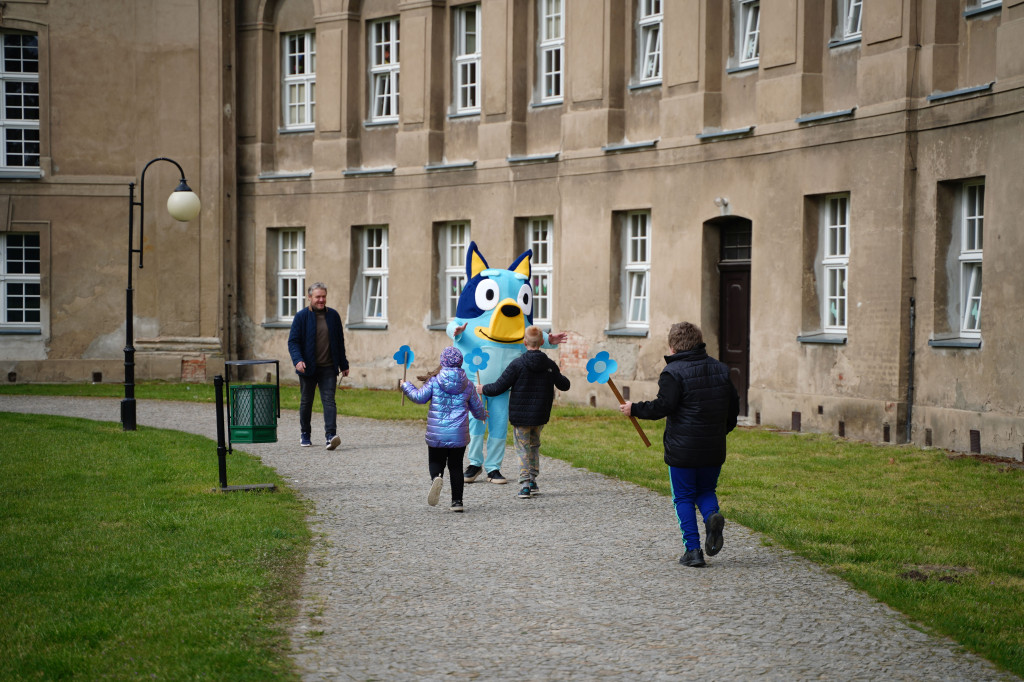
(253, 416)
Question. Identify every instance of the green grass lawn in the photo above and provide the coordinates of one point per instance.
(938, 537)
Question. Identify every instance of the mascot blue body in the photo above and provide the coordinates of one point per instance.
(496, 307)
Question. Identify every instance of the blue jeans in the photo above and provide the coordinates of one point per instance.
(693, 487)
(327, 381)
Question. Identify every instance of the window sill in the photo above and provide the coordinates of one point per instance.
(21, 332)
(714, 136)
(823, 338)
(936, 96)
(465, 114)
(629, 146)
(828, 116)
(975, 11)
(547, 103)
(357, 172)
(438, 327)
(21, 173)
(627, 331)
(300, 175)
(277, 324)
(645, 85)
(742, 68)
(293, 131)
(370, 326)
(842, 42)
(382, 123)
(461, 165)
(535, 158)
(957, 342)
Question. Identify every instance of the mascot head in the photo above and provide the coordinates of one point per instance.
(497, 305)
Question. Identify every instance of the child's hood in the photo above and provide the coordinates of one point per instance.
(452, 380)
(536, 361)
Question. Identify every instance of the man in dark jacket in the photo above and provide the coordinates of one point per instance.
(701, 404)
(316, 344)
(532, 377)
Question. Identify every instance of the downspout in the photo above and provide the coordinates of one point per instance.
(910, 373)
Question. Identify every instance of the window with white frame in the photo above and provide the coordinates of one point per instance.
(467, 59)
(636, 251)
(538, 239)
(21, 306)
(550, 49)
(291, 272)
(299, 80)
(749, 32)
(835, 261)
(19, 123)
(452, 246)
(850, 18)
(384, 70)
(972, 228)
(369, 304)
(648, 40)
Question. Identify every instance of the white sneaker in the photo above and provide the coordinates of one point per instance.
(435, 491)
(333, 442)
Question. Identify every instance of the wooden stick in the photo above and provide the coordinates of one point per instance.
(405, 368)
(618, 395)
(482, 397)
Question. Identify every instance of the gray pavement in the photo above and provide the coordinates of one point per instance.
(579, 583)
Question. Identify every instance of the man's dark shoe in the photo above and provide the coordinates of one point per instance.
(713, 534)
(472, 471)
(496, 477)
(693, 558)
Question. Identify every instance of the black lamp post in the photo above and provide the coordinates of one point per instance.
(183, 205)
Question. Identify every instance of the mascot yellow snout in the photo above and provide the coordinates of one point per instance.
(508, 323)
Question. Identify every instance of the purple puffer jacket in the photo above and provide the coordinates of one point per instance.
(452, 396)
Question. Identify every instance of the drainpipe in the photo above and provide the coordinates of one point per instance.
(910, 373)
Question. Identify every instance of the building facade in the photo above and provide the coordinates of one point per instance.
(808, 180)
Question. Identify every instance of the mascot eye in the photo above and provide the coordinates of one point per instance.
(487, 294)
(525, 299)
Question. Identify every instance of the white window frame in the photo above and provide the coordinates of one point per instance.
(385, 62)
(291, 272)
(851, 18)
(539, 233)
(452, 247)
(972, 229)
(20, 279)
(636, 257)
(20, 111)
(466, 62)
(374, 273)
(550, 50)
(298, 81)
(835, 262)
(648, 39)
(748, 46)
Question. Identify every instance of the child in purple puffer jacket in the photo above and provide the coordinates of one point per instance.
(452, 397)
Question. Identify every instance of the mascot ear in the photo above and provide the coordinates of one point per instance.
(475, 263)
(521, 265)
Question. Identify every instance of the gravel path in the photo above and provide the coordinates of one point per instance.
(580, 583)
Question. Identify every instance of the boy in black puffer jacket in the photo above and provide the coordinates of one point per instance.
(532, 377)
(700, 402)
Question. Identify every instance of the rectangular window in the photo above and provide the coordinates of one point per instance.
(467, 59)
(637, 267)
(291, 272)
(369, 304)
(851, 18)
(971, 241)
(749, 32)
(299, 80)
(550, 49)
(19, 280)
(538, 239)
(384, 70)
(19, 122)
(835, 261)
(648, 40)
(452, 247)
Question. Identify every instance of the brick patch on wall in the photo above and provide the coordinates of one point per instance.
(193, 370)
(574, 352)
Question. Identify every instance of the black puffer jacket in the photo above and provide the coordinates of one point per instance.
(701, 406)
(532, 377)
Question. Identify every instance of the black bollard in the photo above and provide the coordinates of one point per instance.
(222, 459)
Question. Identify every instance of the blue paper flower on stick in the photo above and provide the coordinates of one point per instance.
(404, 356)
(476, 359)
(600, 368)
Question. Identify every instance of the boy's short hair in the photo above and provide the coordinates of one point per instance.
(534, 337)
(683, 336)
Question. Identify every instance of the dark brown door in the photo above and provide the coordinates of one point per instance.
(734, 314)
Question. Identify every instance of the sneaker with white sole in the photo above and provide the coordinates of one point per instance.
(496, 477)
(304, 440)
(524, 493)
(472, 471)
(457, 506)
(435, 491)
(333, 441)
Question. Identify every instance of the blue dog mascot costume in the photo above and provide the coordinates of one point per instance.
(496, 307)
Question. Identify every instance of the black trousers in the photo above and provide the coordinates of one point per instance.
(438, 458)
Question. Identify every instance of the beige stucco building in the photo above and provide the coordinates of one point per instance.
(818, 183)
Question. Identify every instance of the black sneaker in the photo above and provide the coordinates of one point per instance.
(693, 558)
(525, 493)
(472, 471)
(496, 477)
(534, 490)
(457, 506)
(713, 534)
